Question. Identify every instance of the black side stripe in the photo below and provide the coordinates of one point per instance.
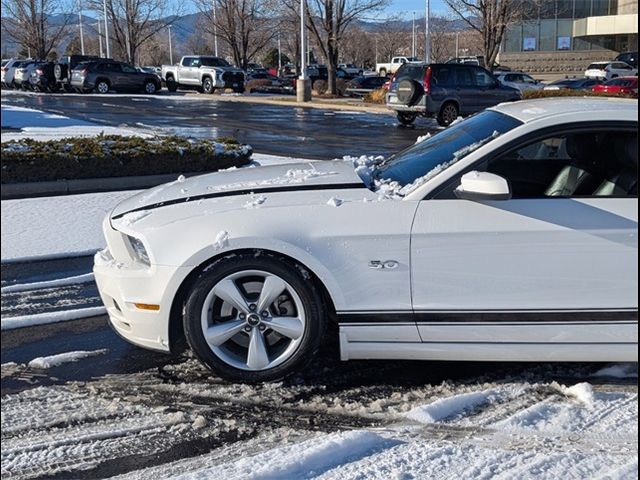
(246, 191)
(527, 316)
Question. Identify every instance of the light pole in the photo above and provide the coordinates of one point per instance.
(80, 25)
(170, 47)
(279, 54)
(106, 28)
(427, 39)
(457, 43)
(303, 87)
(413, 36)
(215, 30)
(99, 36)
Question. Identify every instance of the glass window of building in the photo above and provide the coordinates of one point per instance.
(547, 35)
(563, 35)
(564, 8)
(530, 36)
(513, 38)
(582, 9)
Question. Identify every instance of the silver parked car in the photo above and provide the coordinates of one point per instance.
(519, 80)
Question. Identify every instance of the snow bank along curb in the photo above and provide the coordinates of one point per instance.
(11, 323)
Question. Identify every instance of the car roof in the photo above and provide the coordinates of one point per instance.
(529, 110)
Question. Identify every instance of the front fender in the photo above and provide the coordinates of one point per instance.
(275, 246)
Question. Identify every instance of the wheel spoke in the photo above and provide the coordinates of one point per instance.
(271, 289)
(218, 334)
(228, 291)
(290, 327)
(257, 358)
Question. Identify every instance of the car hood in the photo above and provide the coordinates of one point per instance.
(317, 175)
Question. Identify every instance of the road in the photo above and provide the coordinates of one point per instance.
(277, 130)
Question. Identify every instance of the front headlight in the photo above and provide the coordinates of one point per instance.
(138, 250)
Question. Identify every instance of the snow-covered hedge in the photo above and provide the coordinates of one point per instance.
(29, 160)
(531, 94)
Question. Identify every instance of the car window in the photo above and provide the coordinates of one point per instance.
(442, 76)
(410, 71)
(483, 79)
(528, 79)
(445, 148)
(186, 61)
(597, 66)
(129, 69)
(578, 163)
(464, 77)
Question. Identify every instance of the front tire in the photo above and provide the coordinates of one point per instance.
(254, 318)
(172, 85)
(207, 86)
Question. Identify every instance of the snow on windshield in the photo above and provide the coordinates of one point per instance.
(366, 167)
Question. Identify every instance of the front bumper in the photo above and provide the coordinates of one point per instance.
(124, 282)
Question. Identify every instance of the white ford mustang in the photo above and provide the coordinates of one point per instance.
(511, 235)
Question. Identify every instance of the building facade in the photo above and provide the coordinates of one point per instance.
(560, 36)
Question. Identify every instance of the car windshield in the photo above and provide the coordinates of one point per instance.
(214, 62)
(428, 157)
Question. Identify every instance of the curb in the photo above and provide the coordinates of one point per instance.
(12, 191)
(285, 102)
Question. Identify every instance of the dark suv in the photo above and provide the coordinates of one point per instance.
(62, 69)
(106, 75)
(444, 91)
(630, 58)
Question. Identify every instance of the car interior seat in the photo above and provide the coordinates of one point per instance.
(581, 176)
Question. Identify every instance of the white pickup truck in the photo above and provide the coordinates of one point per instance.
(207, 73)
(385, 69)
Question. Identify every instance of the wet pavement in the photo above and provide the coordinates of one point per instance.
(271, 129)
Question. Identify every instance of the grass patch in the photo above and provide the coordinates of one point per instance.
(377, 96)
(29, 160)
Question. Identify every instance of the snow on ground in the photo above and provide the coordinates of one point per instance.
(55, 227)
(39, 125)
(503, 427)
(61, 358)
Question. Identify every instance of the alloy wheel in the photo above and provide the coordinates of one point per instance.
(253, 320)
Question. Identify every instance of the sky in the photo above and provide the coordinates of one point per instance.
(406, 7)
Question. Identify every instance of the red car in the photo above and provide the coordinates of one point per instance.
(623, 85)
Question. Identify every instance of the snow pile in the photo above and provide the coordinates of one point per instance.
(255, 201)
(422, 138)
(583, 392)
(9, 323)
(335, 202)
(59, 282)
(365, 167)
(305, 460)
(103, 258)
(448, 407)
(222, 240)
(622, 370)
(299, 175)
(68, 357)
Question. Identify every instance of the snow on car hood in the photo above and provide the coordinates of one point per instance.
(246, 181)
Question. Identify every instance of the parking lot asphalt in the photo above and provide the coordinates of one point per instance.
(272, 129)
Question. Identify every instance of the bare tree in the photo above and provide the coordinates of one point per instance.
(491, 18)
(245, 26)
(328, 21)
(134, 22)
(28, 23)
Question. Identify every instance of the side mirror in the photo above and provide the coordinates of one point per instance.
(478, 186)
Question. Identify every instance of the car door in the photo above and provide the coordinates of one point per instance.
(488, 91)
(188, 71)
(133, 78)
(495, 271)
(466, 90)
